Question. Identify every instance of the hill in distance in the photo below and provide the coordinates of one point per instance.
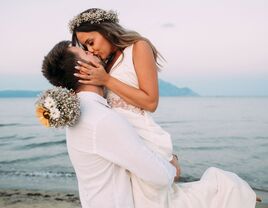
(165, 89)
(168, 89)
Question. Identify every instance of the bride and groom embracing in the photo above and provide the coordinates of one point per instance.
(121, 157)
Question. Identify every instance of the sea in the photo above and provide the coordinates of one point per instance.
(230, 133)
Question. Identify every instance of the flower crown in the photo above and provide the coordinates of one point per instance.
(93, 16)
(58, 107)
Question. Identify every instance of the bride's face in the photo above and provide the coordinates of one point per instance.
(95, 43)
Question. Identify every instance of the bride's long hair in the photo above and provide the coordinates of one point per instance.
(116, 35)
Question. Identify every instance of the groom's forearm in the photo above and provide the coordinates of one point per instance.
(120, 144)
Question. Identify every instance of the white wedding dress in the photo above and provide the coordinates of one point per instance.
(215, 189)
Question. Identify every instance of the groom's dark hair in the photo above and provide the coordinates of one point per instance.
(58, 66)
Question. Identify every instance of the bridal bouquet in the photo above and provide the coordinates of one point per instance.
(58, 107)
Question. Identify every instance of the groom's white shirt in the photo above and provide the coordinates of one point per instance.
(103, 147)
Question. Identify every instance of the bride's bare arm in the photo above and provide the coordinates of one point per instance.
(146, 97)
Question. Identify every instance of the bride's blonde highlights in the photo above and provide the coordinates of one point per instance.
(117, 35)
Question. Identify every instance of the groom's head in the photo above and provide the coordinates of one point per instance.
(59, 64)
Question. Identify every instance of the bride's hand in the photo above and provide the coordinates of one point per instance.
(94, 74)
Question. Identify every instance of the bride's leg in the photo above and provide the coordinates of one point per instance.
(232, 190)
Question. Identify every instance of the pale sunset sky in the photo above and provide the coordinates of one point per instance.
(216, 48)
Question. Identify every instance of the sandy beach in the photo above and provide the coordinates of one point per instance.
(47, 199)
(37, 199)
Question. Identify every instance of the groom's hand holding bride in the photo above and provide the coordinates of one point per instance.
(175, 163)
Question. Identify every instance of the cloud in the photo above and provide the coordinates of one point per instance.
(168, 25)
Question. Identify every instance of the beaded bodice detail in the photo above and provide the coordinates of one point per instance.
(116, 102)
(124, 71)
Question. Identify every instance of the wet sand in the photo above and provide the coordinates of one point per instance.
(37, 199)
(47, 199)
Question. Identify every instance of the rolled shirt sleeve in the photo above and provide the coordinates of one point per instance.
(118, 142)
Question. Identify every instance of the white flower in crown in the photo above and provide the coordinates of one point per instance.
(93, 16)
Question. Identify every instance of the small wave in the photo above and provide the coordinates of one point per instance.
(32, 159)
(17, 138)
(4, 144)
(37, 174)
(10, 124)
(63, 174)
(264, 146)
(171, 122)
(8, 137)
(261, 137)
(192, 133)
(27, 138)
(237, 138)
(207, 148)
(188, 179)
(261, 189)
(43, 144)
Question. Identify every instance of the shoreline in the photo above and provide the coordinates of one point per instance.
(23, 198)
(18, 198)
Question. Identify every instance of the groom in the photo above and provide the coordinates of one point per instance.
(102, 147)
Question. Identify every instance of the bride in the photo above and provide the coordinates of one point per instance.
(132, 90)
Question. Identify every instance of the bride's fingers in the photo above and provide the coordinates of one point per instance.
(84, 70)
(94, 63)
(85, 67)
(83, 64)
(83, 76)
(85, 81)
(98, 65)
(90, 65)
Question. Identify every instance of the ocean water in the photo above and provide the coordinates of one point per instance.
(225, 132)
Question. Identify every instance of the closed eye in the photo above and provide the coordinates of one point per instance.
(89, 42)
(84, 48)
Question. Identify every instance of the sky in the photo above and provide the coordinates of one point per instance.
(214, 47)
